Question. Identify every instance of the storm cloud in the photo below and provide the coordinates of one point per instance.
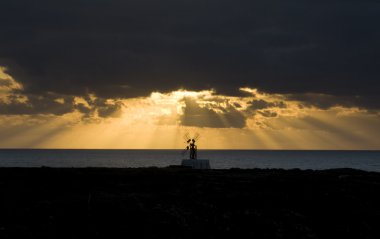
(121, 49)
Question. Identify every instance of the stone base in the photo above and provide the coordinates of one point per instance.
(196, 163)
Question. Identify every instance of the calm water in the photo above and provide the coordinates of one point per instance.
(286, 159)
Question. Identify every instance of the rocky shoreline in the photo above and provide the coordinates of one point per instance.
(184, 203)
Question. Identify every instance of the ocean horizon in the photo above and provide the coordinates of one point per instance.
(368, 160)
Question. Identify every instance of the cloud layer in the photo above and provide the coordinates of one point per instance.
(122, 49)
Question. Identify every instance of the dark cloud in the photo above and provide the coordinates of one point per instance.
(84, 109)
(236, 105)
(267, 113)
(323, 101)
(212, 117)
(102, 107)
(262, 104)
(52, 104)
(47, 104)
(110, 110)
(117, 48)
(263, 107)
(6, 82)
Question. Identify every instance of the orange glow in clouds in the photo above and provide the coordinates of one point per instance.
(256, 121)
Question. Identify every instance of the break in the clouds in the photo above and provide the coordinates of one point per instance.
(123, 49)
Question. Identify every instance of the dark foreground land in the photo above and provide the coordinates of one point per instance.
(183, 203)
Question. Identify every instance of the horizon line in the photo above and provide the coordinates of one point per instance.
(243, 149)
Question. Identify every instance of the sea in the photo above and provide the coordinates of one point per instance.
(219, 159)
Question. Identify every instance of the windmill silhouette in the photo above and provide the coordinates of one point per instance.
(190, 141)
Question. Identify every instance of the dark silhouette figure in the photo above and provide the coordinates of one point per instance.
(193, 150)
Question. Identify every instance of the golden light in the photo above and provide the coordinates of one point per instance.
(154, 122)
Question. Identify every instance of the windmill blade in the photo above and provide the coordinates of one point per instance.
(196, 136)
(186, 137)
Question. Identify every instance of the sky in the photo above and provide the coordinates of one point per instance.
(142, 73)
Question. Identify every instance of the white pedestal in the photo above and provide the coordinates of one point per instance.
(196, 163)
